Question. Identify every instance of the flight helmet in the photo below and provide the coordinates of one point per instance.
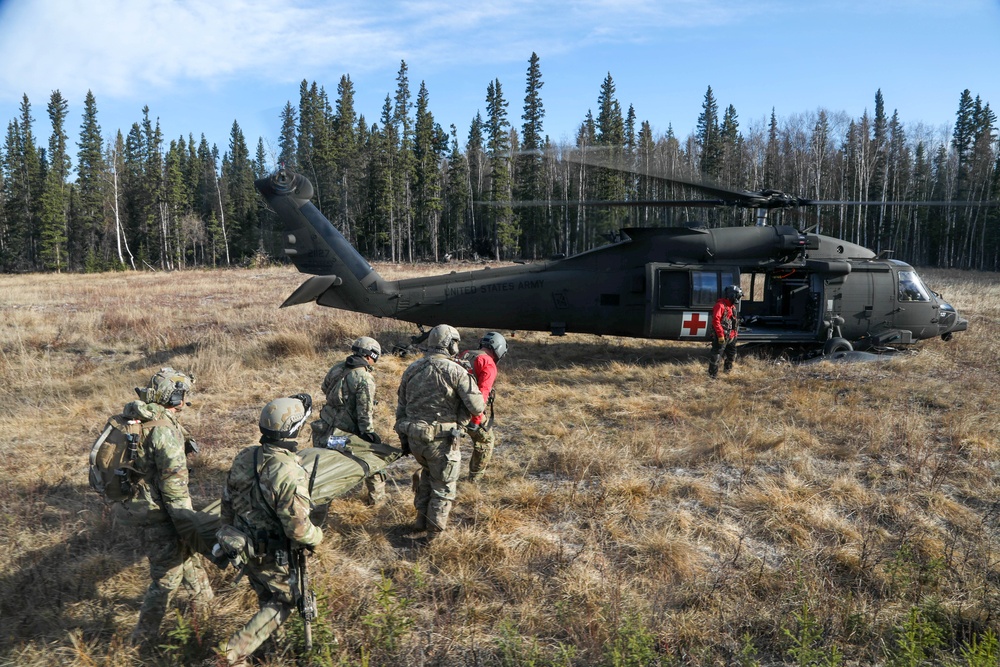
(494, 341)
(367, 347)
(167, 388)
(733, 292)
(444, 337)
(283, 417)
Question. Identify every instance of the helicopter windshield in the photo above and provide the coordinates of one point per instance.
(911, 288)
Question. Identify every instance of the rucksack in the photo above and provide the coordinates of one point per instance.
(113, 457)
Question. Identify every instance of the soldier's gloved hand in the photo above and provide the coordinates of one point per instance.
(372, 437)
(722, 340)
(191, 446)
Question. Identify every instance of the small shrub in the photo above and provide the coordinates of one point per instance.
(915, 641)
(806, 642)
(390, 622)
(982, 651)
(631, 645)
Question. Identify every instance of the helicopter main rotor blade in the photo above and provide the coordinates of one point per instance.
(603, 158)
(599, 203)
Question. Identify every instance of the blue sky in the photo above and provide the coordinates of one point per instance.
(201, 65)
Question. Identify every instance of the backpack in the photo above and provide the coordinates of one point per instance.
(113, 457)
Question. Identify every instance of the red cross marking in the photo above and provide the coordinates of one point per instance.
(693, 324)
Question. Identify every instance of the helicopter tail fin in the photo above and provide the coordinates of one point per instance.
(342, 277)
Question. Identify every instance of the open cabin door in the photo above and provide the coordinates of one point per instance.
(680, 299)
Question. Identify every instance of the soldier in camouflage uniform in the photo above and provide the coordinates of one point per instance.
(350, 406)
(161, 499)
(267, 499)
(436, 396)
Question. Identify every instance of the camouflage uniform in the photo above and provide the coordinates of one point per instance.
(267, 498)
(436, 396)
(350, 410)
(161, 499)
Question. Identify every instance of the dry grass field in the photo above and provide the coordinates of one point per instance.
(636, 513)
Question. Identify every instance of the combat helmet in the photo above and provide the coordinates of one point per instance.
(367, 347)
(167, 388)
(444, 337)
(283, 417)
(733, 292)
(494, 341)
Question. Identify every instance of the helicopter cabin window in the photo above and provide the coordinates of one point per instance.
(753, 286)
(674, 288)
(707, 286)
(911, 288)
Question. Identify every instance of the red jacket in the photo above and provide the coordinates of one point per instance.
(724, 322)
(485, 370)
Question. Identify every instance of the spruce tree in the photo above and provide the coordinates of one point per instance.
(530, 184)
(347, 152)
(458, 200)
(89, 212)
(24, 175)
(730, 167)
(241, 203)
(708, 135)
(478, 170)
(427, 149)
(610, 127)
(505, 230)
(962, 139)
(287, 146)
(56, 193)
(402, 177)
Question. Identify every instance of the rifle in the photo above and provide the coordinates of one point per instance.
(305, 599)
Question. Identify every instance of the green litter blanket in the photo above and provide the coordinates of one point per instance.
(332, 472)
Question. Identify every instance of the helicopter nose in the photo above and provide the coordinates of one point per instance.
(949, 321)
(961, 324)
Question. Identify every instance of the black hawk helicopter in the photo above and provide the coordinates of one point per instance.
(801, 289)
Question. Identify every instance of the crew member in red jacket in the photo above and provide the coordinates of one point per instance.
(482, 363)
(725, 328)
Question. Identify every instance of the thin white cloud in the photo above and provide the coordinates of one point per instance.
(125, 48)
(131, 49)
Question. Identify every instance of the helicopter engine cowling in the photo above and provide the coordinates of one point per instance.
(759, 246)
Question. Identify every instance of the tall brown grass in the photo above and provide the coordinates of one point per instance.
(635, 512)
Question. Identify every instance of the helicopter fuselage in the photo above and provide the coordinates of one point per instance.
(651, 283)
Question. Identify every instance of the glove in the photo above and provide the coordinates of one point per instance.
(191, 446)
(404, 444)
(722, 340)
(372, 437)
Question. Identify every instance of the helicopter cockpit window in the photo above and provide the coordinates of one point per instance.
(911, 288)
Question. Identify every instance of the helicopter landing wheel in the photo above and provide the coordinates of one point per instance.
(835, 345)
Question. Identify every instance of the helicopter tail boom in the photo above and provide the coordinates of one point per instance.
(342, 278)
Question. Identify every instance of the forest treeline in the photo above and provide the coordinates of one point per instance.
(405, 189)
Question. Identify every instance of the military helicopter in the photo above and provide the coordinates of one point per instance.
(801, 289)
